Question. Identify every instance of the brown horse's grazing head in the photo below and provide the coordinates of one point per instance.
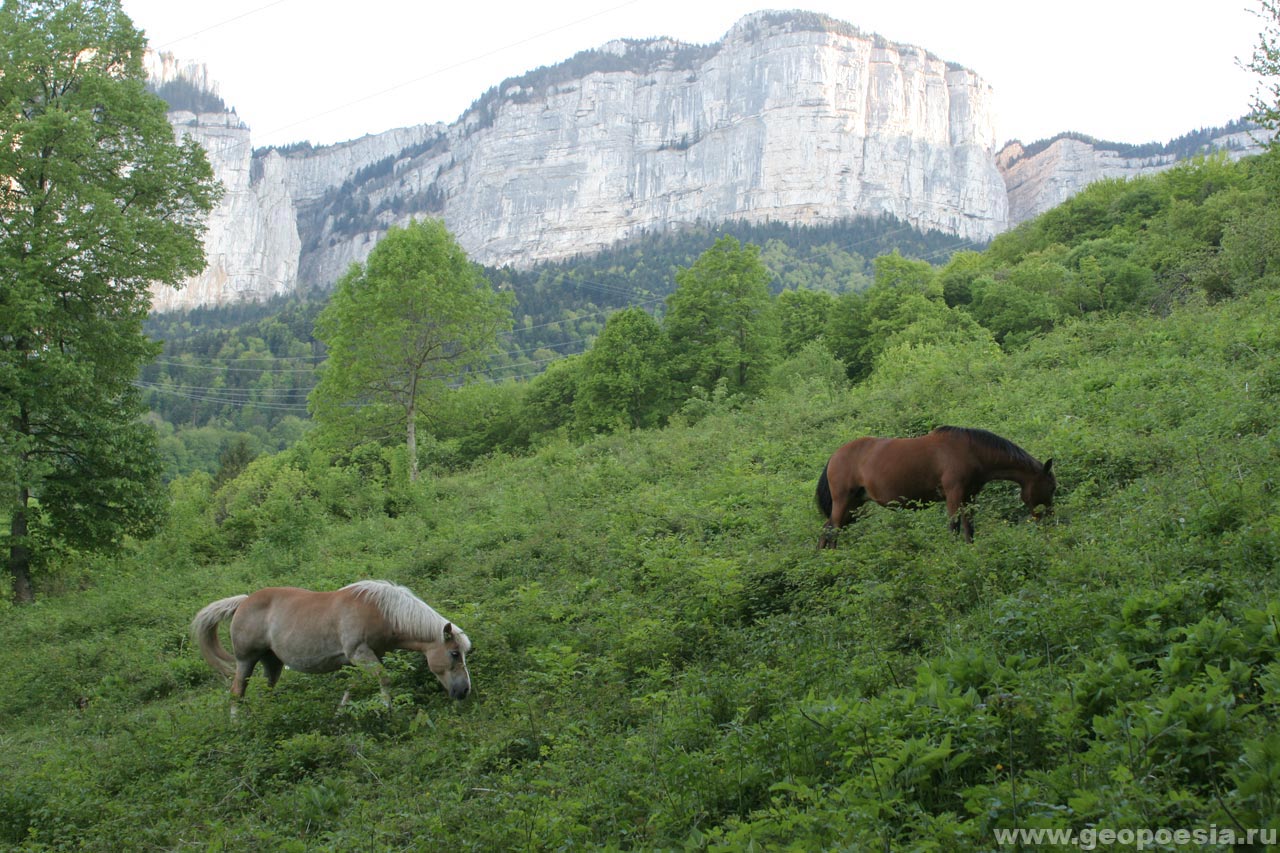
(1037, 491)
(447, 660)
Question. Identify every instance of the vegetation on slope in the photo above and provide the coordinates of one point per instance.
(1194, 143)
(663, 659)
(1204, 228)
(242, 373)
(183, 94)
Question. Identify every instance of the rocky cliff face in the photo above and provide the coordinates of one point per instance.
(251, 243)
(791, 116)
(794, 117)
(1044, 179)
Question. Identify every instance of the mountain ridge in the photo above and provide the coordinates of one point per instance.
(791, 116)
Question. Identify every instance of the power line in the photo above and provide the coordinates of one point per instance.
(238, 403)
(230, 393)
(228, 369)
(195, 365)
(379, 93)
(222, 23)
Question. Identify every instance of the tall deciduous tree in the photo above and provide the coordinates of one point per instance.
(415, 316)
(905, 291)
(721, 319)
(97, 201)
(802, 317)
(625, 380)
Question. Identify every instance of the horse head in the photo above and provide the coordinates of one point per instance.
(447, 661)
(1037, 491)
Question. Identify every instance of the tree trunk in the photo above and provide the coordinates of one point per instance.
(20, 555)
(412, 443)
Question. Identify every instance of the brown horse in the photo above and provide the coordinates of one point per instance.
(950, 463)
(323, 631)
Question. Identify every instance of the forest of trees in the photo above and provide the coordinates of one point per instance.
(181, 94)
(1192, 144)
(243, 372)
(1119, 246)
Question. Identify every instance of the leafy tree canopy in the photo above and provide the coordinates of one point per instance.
(98, 203)
(416, 316)
(626, 377)
(721, 320)
(1265, 62)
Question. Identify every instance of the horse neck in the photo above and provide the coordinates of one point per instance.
(410, 618)
(1002, 466)
(418, 622)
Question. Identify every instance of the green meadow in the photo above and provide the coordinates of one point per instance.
(663, 659)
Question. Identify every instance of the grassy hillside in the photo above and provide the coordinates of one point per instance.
(664, 660)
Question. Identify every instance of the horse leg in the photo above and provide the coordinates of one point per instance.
(244, 669)
(960, 513)
(272, 666)
(831, 529)
(842, 509)
(367, 659)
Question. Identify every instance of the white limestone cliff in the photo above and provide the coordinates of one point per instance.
(312, 172)
(251, 242)
(791, 117)
(164, 67)
(1047, 178)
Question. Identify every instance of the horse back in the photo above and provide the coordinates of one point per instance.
(902, 469)
(299, 625)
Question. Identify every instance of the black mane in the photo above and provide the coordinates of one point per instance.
(991, 441)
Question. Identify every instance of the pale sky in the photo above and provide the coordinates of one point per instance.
(1120, 70)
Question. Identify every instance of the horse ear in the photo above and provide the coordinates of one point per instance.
(1048, 465)
(448, 631)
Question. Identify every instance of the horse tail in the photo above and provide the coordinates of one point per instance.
(204, 632)
(823, 495)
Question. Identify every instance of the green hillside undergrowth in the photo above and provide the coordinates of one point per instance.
(663, 659)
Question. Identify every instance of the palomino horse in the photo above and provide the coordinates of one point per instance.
(323, 631)
(950, 463)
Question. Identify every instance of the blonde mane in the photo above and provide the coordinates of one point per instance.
(408, 614)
